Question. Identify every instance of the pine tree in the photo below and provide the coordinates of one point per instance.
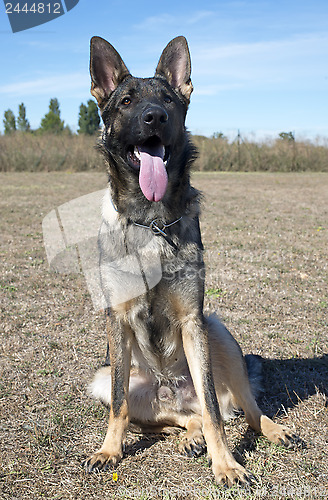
(9, 122)
(94, 119)
(88, 118)
(22, 122)
(51, 122)
(83, 119)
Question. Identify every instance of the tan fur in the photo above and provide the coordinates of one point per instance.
(111, 450)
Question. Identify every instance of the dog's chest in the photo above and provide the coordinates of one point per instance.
(157, 342)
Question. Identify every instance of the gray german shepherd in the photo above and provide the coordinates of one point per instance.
(170, 365)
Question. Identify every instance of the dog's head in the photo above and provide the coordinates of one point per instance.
(143, 117)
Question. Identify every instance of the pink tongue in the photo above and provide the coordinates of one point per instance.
(153, 175)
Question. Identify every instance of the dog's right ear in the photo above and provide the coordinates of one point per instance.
(107, 69)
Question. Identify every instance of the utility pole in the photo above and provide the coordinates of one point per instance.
(239, 156)
(294, 152)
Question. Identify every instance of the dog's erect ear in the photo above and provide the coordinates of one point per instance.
(175, 66)
(107, 69)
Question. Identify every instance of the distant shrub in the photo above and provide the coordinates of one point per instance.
(36, 152)
(285, 154)
(70, 152)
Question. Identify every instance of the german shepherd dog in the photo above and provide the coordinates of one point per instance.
(170, 365)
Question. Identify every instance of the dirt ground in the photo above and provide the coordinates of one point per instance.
(266, 241)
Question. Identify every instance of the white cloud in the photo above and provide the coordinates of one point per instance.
(199, 16)
(298, 60)
(59, 84)
(170, 21)
(156, 22)
(299, 45)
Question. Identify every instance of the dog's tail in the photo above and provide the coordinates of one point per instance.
(254, 369)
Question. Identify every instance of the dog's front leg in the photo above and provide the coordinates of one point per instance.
(195, 344)
(111, 451)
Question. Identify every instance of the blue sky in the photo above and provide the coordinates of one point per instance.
(258, 66)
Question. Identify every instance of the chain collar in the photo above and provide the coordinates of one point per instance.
(157, 226)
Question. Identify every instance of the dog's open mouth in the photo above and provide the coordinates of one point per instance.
(151, 158)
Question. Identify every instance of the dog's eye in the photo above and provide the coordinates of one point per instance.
(167, 99)
(126, 101)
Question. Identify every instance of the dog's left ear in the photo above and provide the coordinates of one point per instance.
(175, 66)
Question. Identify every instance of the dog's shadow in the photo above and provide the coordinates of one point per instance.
(291, 381)
(142, 442)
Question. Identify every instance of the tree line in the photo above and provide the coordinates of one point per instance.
(88, 122)
(53, 146)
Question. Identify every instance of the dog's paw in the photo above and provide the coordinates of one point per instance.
(232, 475)
(101, 461)
(192, 446)
(279, 434)
(235, 477)
(283, 436)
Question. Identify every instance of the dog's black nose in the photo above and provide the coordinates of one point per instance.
(155, 116)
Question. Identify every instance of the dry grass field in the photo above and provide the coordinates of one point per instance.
(266, 241)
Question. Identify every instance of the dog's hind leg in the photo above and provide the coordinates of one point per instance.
(229, 370)
(192, 442)
(278, 434)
